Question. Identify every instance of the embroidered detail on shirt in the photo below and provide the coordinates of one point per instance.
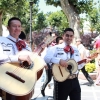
(60, 53)
(59, 49)
(7, 48)
(76, 55)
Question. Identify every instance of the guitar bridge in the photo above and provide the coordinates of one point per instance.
(15, 76)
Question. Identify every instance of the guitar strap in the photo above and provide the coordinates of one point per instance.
(15, 42)
(11, 40)
(70, 55)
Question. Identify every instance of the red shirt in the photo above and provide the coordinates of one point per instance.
(97, 44)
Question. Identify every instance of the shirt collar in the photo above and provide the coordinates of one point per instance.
(64, 43)
(12, 38)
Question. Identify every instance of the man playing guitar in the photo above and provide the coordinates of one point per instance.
(60, 54)
(10, 46)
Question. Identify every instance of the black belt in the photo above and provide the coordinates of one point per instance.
(72, 76)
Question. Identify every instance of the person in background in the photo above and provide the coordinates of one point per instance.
(59, 40)
(97, 44)
(87, 50)
(59, 54)
(22, 36)
(97, 48)
(83, 54)
(97, 82)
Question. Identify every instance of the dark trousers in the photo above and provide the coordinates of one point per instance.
(70, 88)
(48, 77)
(87, 75)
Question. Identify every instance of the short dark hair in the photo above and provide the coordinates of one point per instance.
(22, 35)
(50, 33)
(69, 29)
(58, 38)
(13, 18)
(85, 45)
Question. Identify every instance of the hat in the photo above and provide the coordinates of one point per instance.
(78, 39)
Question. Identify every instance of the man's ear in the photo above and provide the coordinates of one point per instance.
(8, 27)
(63, 35)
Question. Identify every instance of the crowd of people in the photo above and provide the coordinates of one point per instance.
(58, 53)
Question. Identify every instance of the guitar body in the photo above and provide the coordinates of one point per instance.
(23, 80)
(7, 96)
(62, 73)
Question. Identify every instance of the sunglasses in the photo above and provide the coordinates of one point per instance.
(67, 35)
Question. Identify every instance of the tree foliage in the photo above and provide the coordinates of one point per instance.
(88, 38)
(94, 19)
(18, 8)
(80, 6)
(40, 22)
(58, 20)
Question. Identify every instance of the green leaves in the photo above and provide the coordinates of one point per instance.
(18, 8)
(90, 67)
(53, 2)
(40, 22)
(58, 20)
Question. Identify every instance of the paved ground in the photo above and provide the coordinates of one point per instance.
(88, 92)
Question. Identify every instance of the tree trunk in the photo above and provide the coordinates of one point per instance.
(73, 17)
(1, 30)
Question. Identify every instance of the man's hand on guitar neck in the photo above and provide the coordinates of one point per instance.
(63, 63)
(88, 59)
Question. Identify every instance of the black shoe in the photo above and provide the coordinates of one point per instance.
(90, 84)
(42, 92)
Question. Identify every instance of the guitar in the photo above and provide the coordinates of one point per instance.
(20, 81)
(47, 40)
(62, 73)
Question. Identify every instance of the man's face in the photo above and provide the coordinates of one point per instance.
(15, 28)
(68, 37)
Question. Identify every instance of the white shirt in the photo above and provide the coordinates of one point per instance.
(55, 53)
(8, 50)
(44, 52)
(82, 50)
(87, 53)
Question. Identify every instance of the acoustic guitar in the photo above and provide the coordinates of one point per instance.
(18, 80)
(62, 73)
(47, 40)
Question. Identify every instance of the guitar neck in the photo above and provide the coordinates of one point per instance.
(91, 57)
(38, 50)
(81, 61)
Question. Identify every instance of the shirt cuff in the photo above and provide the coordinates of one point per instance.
(13, 58)
(55, 60)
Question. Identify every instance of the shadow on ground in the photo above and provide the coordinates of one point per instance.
(43, 98)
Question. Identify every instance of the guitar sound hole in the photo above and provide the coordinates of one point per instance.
(69, 67)
(26, 65)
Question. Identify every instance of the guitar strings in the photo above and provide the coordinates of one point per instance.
(19, 69)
